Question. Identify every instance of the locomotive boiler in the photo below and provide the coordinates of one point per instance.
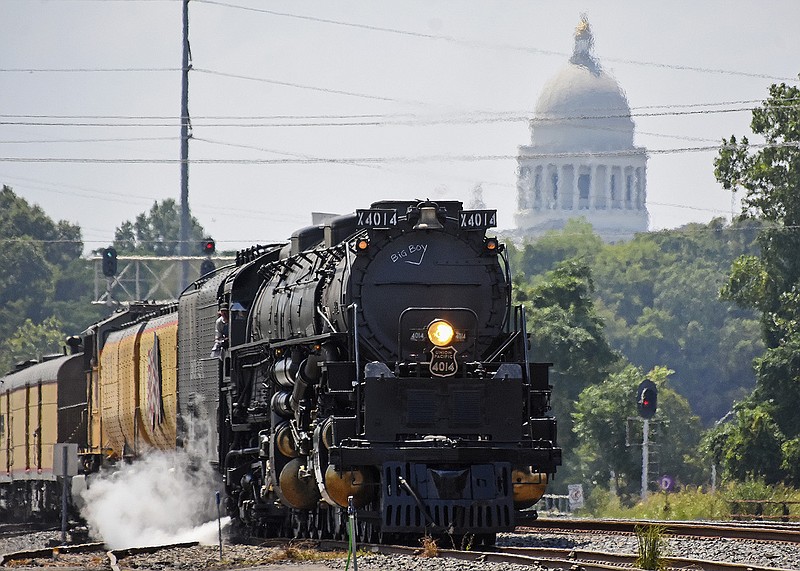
(375, 361)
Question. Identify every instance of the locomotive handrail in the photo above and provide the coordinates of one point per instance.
(509, 295)
(354, 307)
(328, 321)
(357, 356)
(525, 350)
(511, 338)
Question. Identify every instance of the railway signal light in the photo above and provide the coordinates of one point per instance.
(109, 262)
(647, 398)
(209, 246)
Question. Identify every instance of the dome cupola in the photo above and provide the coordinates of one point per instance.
(582, 107)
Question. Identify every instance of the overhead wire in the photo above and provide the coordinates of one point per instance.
(513, 114)
(88, 69)
(278, 121)
(686, 229)
(474, 43)
(398, 159)
(108, 140)
(308, 87)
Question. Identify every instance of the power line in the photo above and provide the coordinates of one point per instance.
(87, 69)
(406, 115)
(111, 140)
(280, 121)
(127, 198)
(398, 159)
(478, 44)
(686, 229)
(308, 87)
(352, 160)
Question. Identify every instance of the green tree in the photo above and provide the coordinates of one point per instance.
(32, 341)
(658, 297)
(766, 425)
(44, 272)
(566, 331)
(157, 232)
(576, 241)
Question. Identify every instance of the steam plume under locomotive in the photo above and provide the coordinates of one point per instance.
(161, 499)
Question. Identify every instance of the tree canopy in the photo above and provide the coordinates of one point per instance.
(565, 330)
(45, 272)
(658, 298)
(763, 437)
(157, 232)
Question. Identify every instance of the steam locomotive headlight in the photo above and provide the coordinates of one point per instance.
(441, 333)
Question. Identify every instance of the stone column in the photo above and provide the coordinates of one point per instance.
(576, 193)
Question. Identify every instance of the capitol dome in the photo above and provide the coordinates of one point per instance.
(582, 161)
(582, 107)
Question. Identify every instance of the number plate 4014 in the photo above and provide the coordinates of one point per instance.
(443, 362)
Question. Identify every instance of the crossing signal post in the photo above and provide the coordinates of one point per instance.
(646, 402)
(208, 246)
(109, 267)
(647, 399)
(109, 262)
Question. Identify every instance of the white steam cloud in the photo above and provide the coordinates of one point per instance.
(159, 499)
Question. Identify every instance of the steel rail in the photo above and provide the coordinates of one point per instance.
(694, 529)
(549, 558)
(621, 561)
(554, 558)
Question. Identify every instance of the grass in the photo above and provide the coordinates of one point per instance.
(693, 503)
(652, 547)
(430, 547)
(302, 551)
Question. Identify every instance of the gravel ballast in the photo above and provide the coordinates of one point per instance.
(764, 554)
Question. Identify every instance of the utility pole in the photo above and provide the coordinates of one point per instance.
(645, 456)
(185, 135)
(646, 403)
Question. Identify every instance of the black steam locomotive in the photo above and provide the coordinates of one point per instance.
(379, 358)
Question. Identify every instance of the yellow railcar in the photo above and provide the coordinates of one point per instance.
(158, 378)
(40, 405)
(138, 374)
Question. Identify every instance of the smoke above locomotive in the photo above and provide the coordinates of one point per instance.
(375, 361)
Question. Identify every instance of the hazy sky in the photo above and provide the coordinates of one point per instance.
(432, 96)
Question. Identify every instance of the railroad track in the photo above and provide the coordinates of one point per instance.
(551, 558)
(728, 530)
(16, 529)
